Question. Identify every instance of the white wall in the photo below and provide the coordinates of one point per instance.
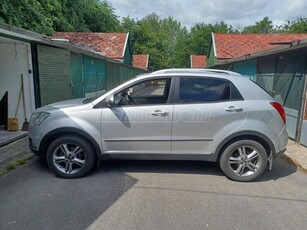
(15, 59)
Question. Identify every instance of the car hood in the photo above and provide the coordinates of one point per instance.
(63, 105)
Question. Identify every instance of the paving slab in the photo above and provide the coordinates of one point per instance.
(7, 137)
(296, 154)
(10, 152)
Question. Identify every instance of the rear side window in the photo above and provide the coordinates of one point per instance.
(207, 90)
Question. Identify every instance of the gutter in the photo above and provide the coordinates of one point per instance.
(213, 44)
(147, 62)
(125, 46)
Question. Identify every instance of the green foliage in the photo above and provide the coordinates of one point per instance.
(200, 36)
(27, 14)
(48, 16)
(264, 26)
(297, 26)
(166, 40)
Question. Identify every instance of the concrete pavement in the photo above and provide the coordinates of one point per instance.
(296, 154)
(152, 195)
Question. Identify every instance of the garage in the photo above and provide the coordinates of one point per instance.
(16, 83)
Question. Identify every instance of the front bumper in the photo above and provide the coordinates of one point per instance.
(33, 148)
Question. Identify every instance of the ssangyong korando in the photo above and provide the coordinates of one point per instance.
(174, 114)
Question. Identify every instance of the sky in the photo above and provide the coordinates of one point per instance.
(237, 13)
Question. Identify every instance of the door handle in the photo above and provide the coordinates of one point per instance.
(159, 113)
(233, 109)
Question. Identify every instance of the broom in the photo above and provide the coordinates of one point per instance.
(25, 125)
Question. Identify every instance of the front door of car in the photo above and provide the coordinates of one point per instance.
(140, 120)
(205, 110)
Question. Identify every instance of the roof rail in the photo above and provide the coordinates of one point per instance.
(186, 70)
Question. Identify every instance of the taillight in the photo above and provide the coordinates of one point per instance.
(280, 110)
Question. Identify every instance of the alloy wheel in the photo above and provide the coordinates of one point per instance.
(245, 161)
(69, 158)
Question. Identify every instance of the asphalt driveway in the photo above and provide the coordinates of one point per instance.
(152, 195)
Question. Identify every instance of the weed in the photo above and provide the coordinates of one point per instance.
(15, 163)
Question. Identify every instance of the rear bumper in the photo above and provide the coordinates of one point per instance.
(280, 143)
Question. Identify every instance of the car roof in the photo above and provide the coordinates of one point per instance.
(194, 71)
(214, 73)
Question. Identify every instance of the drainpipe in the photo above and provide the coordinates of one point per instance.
(302, 109)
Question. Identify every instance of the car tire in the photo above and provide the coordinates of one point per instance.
(243, 160)
(70, 157)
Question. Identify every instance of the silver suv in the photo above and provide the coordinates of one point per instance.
(174, 114)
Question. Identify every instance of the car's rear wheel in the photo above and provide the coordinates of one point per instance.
(70, 157)
(244, 160)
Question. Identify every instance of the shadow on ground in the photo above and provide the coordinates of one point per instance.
(33, 198)
(184, 167)
(280, 168)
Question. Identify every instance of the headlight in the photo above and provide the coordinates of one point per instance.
(38, 118)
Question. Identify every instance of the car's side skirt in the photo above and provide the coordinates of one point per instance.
(184, 157)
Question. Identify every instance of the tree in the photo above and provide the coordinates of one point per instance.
(264, 26)
(297, 26)
(48, 16)
(200, 36)
(28, 14)
(166, 40)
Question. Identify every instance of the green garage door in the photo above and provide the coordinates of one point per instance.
(77, 75)
(94, 76)
(54, 74)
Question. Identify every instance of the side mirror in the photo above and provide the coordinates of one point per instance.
(110, 101)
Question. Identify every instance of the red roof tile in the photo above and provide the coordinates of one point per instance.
(141, 60)
(111, 45)
(198, 61)
(237, 45)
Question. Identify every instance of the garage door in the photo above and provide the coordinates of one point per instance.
(54, 74)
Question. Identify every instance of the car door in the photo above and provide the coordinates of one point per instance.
(206, 110)
(140, 122)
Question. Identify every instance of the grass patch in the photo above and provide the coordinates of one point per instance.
(16, 163)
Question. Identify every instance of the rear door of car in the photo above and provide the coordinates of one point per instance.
(206, 110)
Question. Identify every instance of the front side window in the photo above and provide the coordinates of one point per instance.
(206, 90)
(145, 93)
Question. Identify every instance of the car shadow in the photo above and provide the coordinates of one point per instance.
(160, 166)
(280, 168)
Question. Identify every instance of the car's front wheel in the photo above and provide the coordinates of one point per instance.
(70, 157)
(243, 160)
